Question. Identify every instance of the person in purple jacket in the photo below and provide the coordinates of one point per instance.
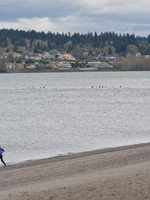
(1, 156)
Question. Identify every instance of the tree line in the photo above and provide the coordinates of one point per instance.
(36, 41)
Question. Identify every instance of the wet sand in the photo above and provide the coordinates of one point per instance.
(109, 174)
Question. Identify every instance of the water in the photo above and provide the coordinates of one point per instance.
(47, 114)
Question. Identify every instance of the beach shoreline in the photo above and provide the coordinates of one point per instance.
(112, 173)
(76, 154)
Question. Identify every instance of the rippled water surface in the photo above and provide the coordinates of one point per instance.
(46, 114)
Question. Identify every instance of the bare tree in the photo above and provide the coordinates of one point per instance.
(3, 67)
(132, 63)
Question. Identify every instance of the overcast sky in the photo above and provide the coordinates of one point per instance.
(77, 15)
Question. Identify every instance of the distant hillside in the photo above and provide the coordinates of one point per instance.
(108, 43)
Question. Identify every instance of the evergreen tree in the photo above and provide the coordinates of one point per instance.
(110, 51)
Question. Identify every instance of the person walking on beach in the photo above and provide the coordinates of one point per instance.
(1, 156)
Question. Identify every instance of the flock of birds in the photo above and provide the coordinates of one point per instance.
(103, 86)
(43, 87)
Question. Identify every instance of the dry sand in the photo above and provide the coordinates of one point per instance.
(109, 174)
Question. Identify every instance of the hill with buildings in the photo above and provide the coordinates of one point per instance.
(38, 50)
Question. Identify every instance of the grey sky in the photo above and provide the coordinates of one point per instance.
(76, 15)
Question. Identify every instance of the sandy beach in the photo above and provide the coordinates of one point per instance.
(114, 173)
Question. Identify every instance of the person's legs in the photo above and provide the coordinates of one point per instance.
(1, 157)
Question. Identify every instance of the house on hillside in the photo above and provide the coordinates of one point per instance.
(60, 65)
(85, 53)
(3, 55)
(17, 55)
(66, 57)
(19, 66)
(32, 66)
(99, 65)
(36, 56)
(10, 66)
(78, 55)
(47, 55)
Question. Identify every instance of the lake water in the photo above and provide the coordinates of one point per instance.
(47, 114)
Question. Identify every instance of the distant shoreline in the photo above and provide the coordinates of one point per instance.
(62, 71)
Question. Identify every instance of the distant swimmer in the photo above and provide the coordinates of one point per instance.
(1, 156)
